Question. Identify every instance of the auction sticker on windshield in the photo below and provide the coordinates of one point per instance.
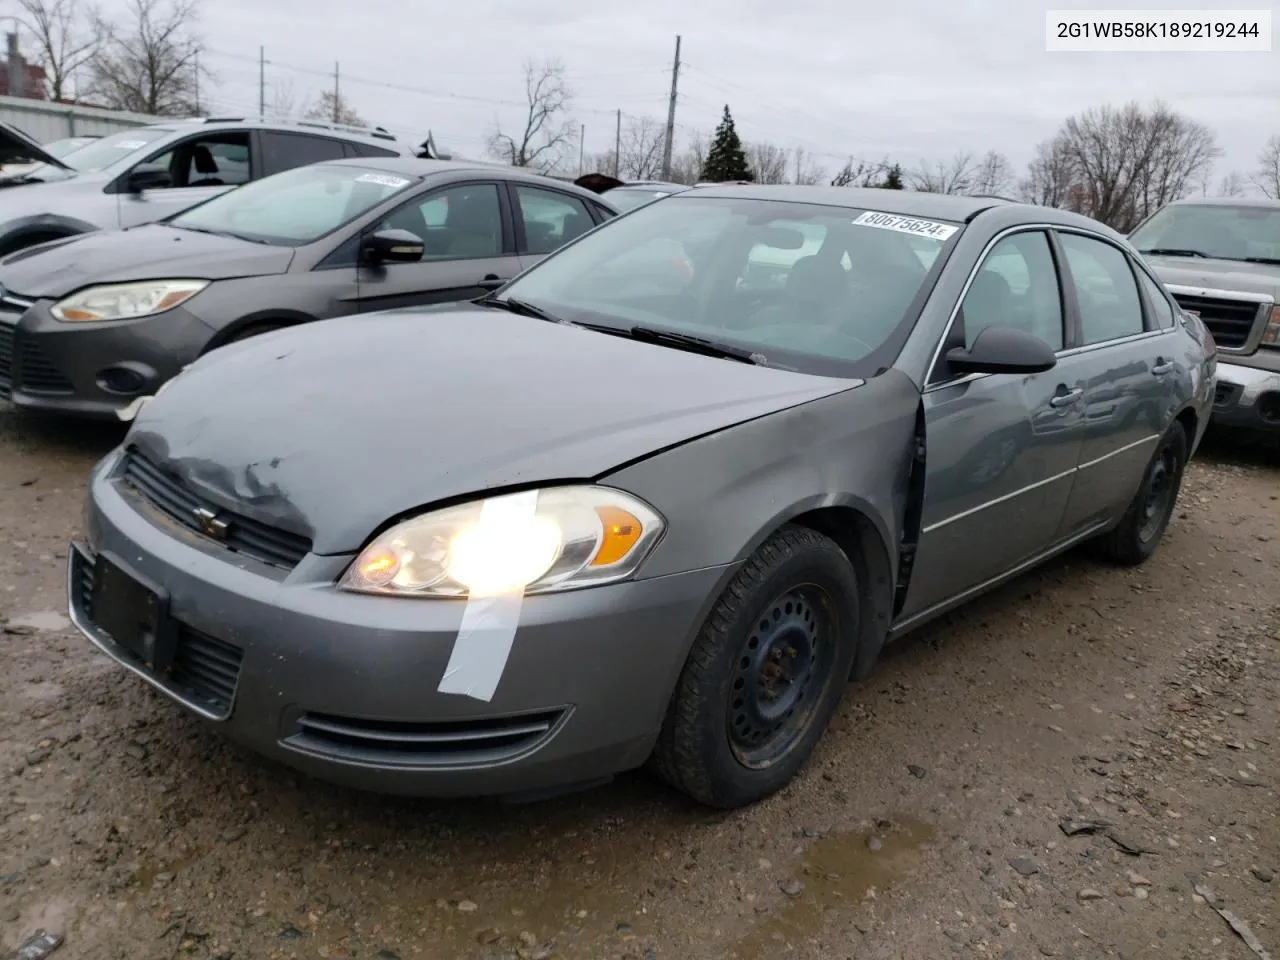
(382, 180)
(911, 225)
(131, 144)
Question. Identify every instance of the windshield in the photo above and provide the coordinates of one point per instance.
(294, 207)
(1224, 231)
(632, 197)
(104, 152)
(60, 148)
(807, 287)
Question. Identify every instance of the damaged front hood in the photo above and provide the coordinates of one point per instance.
(333, 428)
(151, 252)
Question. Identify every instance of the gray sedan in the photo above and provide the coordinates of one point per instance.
(607, 517)
(91, 323)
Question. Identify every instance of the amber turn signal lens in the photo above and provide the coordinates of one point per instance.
(621, 531)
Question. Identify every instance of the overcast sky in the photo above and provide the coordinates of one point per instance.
(902, 78)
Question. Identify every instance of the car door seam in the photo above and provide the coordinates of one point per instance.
(1128, 446)
(1000, 499)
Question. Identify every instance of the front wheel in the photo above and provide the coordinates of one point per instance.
(1149, 513)
(765, 673)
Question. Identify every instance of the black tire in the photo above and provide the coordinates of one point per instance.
(253, 330)
(797, 593)
(1144, 523)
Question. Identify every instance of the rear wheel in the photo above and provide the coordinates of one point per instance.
(765, 673)
(1151, 509)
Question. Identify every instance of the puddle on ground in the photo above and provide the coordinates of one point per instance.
(46, 620)
(837, 871)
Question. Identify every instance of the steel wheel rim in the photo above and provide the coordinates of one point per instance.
(1157, 500)
(780, 671)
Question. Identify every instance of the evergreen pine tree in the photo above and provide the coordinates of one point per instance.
(726, 160)
(893, 178)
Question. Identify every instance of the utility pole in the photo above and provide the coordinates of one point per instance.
(799, 158)
(337, 97)
(196, 64)
(262, 82)
(671, 114)
(617, 146)
(582, 156)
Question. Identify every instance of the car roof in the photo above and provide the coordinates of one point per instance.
(1264, 203)
(374, 135)
(419, 167)
(958, 208)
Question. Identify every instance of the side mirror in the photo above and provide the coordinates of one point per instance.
(140, 180)
(1003, 350)
(393, 246)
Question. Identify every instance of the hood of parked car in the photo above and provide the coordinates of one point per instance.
(1211, 274)
(333, 428)
(150, 252)
(17, 147)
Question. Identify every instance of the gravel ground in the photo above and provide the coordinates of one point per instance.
(1046, 773)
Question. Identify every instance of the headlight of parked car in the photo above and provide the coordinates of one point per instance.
(559, 538)
(1271, 335)
(124, 301)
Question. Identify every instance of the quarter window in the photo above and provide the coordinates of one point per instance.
(550, 219)
(458, 223)
(1159, 301)
(1105, 288)
(1016, 286)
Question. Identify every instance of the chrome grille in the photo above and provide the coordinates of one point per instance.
(1230, 321)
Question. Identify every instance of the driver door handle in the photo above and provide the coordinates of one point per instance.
(1065, 399)
(1162, 367)
(492, 282)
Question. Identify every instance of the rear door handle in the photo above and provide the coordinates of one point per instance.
(492, 282)
(1162, 367)
(1065, 399)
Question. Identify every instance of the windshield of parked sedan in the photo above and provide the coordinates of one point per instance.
(821, 289)
(1223, 231)
(295, 207)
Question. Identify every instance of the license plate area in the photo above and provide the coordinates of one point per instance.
(133, 613)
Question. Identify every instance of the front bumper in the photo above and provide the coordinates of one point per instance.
(343, 686)
(91, 369)
(1247, 397)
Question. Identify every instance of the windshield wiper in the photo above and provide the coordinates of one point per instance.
(1175, 252)
(522, 307)
(685, 341)
(1270, 261)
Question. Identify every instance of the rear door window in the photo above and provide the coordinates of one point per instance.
(284, 151)
(551, 219)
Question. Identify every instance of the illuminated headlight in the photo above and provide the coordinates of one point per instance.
(124, 301)
(560, 538)
(1271, 335)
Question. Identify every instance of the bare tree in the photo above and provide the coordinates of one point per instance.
(1267, 177)
(547, 127)
(642, 143)
(284, 102)
(807, 170)
(768, 162)
(992, 176)
(686, 166)
(333, 108)
(859, 173)
(150, 62)
(1050, 175)
(1124, 163)
(1232, 185)
(66, 34)
(956, 175)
